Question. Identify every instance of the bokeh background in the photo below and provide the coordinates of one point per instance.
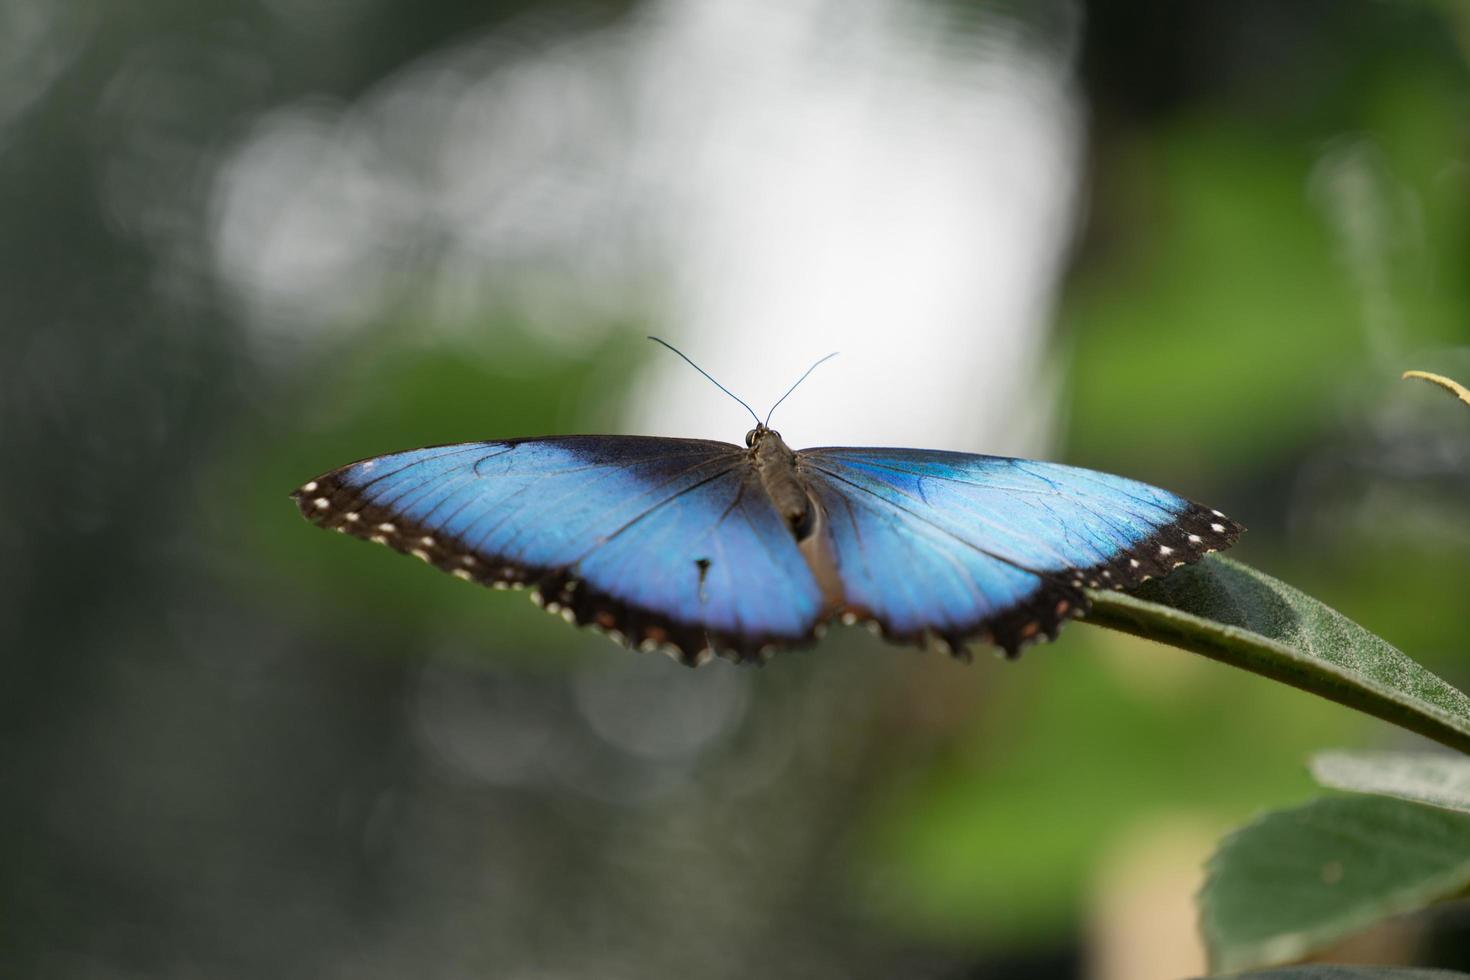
(243, 241)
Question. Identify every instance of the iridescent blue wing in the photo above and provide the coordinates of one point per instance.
(953, 546)
(656, 541)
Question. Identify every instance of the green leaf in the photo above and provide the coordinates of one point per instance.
(1332, 971)
(1296, 880)
(1239, 616)
(1438, 780)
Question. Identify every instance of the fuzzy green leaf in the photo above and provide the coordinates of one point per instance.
(1296, 880)
(1438, 780)
(1232, 613)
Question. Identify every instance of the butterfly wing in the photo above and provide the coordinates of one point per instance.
(656, 541)
(955, 545)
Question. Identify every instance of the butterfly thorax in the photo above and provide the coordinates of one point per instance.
(776, 464)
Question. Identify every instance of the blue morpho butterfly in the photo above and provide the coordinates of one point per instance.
(700, 547)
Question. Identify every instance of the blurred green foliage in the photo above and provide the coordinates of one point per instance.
(1229, 321)
(1250, 277)
(1002, 834)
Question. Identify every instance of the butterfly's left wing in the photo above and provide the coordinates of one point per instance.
(657, 541)
(953, 545)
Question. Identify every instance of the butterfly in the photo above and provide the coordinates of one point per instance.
(699, 547)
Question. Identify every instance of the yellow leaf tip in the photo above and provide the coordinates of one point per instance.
(1453, 387)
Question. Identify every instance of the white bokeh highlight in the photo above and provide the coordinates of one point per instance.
(759, 182)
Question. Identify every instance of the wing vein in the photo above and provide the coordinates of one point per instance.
(1043, 573)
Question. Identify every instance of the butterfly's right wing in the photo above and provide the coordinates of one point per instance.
(656, 541)
(954, 545)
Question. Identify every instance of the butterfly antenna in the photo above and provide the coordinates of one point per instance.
(795, 386)
(711, 380)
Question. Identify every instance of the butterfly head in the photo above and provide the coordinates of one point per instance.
(764, 435)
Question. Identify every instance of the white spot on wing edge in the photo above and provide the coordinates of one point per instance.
(1218, 528)
(309, 488)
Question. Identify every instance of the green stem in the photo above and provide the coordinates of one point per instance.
(1268, 658)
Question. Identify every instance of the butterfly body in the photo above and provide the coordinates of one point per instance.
(703, 547)
(776, 464)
